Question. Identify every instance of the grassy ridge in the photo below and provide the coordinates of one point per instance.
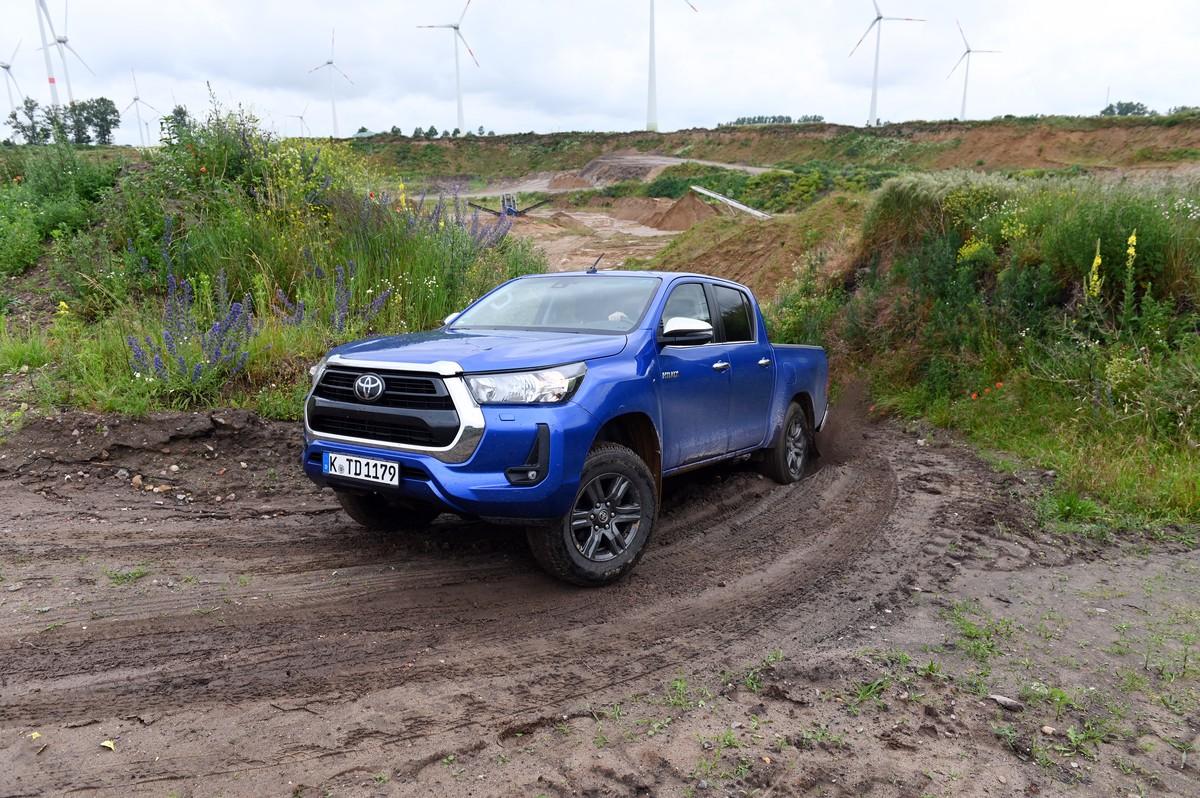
(1049, 318)
(1019, 143)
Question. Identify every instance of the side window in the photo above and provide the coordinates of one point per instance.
(689, 302)
(735, 314)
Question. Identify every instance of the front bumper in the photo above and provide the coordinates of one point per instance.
(479, 486)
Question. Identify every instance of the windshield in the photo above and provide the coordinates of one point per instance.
(575, 303)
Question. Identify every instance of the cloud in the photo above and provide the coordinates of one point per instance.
(581, 64)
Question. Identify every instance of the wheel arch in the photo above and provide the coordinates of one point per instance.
(635, 431)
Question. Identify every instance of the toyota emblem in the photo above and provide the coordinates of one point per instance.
(368, 387)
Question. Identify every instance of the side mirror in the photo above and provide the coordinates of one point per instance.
(450, 319)
(681, 331)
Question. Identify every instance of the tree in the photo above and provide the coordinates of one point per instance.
(29, 123)
(418, 133)
(456, 133)
(396, 131)
(1128, 109)
(431, 132)
(178, 124)
(481, 130)
(103, 118)
(76, 120)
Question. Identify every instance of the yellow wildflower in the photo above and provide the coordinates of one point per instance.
(63, 309)
(1095, 282)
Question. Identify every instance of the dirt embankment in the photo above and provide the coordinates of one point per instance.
(165, 640)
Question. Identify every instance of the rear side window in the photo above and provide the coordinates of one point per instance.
(734, 308)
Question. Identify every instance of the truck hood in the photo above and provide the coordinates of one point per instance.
(484, 350)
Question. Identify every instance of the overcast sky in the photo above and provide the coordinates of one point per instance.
(550, 65)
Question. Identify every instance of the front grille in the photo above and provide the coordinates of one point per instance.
(415, 408)
(412, 432)
(406, 391)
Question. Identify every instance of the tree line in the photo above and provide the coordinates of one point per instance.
(806, 119)
(81, 122)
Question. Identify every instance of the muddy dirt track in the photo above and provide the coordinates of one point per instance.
(234, 633)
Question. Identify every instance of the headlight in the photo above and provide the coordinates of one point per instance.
(527, 387)
(314, 371)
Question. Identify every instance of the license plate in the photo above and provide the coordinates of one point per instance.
(344, 465)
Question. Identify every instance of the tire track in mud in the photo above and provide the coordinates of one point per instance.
(405, 645)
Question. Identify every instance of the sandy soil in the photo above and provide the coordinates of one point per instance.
(575, 243)
(227, 631)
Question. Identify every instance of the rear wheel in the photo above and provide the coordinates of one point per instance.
(605, 532)
(786, 461)
(375, 512)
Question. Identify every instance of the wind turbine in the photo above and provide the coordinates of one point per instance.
(877, 24)
(136, 105)
(40, 6)
(332, 82)
(652, 91)
(63, 44)
(300, 116)
(10, 80)
(456, 28)
(967, 72)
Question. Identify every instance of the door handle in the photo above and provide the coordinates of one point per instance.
(721, 365)
(764, 362)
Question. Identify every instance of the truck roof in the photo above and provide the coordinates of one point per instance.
(624, 273)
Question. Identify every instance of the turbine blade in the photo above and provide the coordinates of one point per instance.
(451, 27)
(136, 91)
(689, 2)
(966, 43)
(66, 16)
(987, 51)
(46, 14)
(13, 78)
(874, 22)
(878, 13)
(148, 105)
(15, 51)
(469, 50)
(131, 102)
(332, 34)
(305, 111)
(79, 58)
(464, 13)
(337, 69)
(903, 19)
(318, 66)
(956, 64)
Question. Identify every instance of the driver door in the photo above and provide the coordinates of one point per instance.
(694, 388)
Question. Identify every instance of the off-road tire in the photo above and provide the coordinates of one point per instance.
(377, 513)
(608, 469)
(788, 459)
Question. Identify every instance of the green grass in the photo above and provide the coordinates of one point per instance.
(23, 347)
(975, 304)
(294, 247)
(123, 578)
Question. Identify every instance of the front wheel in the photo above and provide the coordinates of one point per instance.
(375, 512)
(786, 461)
(605, 532)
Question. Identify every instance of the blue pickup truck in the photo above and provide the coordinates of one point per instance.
(561, 402)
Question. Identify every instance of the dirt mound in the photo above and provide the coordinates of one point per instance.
(687, 211)
(569, 222)
(764, 254)
(642, 210)
(568, 180)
